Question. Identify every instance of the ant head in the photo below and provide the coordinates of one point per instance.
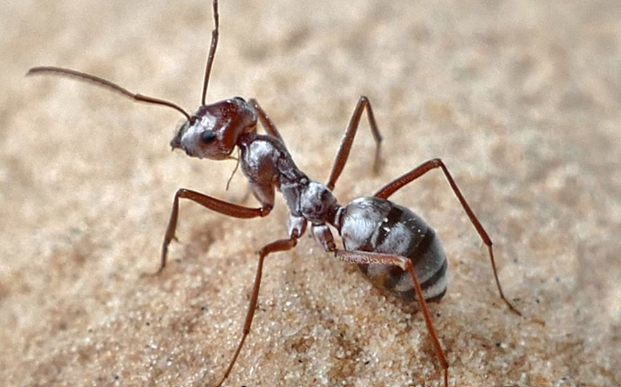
(213, 130)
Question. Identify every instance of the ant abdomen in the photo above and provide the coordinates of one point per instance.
(378, 225)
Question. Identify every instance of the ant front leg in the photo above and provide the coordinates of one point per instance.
(425, 167)
(267, 123)
(225, 208)
(279, 245)
(348, 140)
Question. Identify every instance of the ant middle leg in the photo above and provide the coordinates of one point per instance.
(225, 208)
(348, 140)
(279, 245)
(427, 166)
(364, 257)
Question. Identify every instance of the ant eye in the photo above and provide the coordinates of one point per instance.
(240, 99)
(208, 136)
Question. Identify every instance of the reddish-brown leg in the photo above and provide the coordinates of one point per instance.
(425, 167)
(226, 208)
(348, 140)
(267, 123)
(279, 245)
(363, 257)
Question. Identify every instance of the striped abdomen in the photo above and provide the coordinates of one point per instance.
(378, 225)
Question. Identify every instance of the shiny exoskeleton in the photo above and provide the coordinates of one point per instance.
(393, 247)
(373, 224)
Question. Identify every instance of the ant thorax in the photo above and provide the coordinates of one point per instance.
(267, 164)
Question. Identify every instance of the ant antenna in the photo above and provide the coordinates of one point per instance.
(212, 49)
(106, 84)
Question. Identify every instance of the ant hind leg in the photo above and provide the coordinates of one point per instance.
(403, 180)
(364, 257)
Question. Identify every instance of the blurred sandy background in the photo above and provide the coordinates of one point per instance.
(521, 99)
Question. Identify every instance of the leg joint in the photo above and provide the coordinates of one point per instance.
(266, 209)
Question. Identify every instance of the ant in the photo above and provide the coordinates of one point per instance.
(393, 247)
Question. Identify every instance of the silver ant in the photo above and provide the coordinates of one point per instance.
(393, 247)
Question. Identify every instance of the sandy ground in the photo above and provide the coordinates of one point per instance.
(521, 100)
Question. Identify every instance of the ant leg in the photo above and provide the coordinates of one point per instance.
(348, 140)
(425, 167)
(225, 208)
(324, 238)
(267, 123)
(279, 245)
(364, 257)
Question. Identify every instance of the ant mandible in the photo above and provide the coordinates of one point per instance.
(393, 247)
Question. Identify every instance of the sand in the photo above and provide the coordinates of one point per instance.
(522, 101)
